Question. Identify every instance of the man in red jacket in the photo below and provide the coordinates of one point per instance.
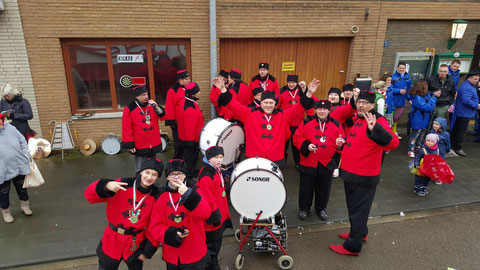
(264, 80)
(177, 221)
(190, 123)
(265, 127)
(257, 98)
(318, 138)
(215, 92)
(238, 87)
(174, 94)
(362, 154)
(212, 186)
(140, 129)
(129, 206)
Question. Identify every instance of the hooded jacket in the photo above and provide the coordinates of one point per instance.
(422, 108)
(443, 137)
(399, 83)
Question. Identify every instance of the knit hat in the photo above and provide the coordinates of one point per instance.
(154, 164)
(263, 65)
(269, 95)
(334, 90)
(191, 89)
(175, 165)
(367, 95)
(323, 103)
(182, 74)
(213, 151)
(292, 78)
(432, 137)
(140, 90)
(235, 74)
(347, 87)
(223, 73)
(257, 90)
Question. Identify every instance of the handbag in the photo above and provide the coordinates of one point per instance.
(34, 178)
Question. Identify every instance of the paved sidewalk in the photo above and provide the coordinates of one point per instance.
(65, 225)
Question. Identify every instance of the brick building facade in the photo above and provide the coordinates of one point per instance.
(47, 24)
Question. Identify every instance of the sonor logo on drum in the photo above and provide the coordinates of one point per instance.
(258, 179)
(226, 135)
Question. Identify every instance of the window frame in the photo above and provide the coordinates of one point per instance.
(108, 43)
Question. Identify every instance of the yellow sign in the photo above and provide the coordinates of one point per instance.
(288, 66)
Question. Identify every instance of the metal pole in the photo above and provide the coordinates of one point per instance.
(213, 46)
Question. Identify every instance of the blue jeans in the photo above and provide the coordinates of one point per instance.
(421, 183)
(416, 137)
(476, 130)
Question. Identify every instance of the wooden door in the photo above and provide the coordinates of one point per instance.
(322, 58)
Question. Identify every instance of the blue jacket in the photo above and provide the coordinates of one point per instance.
(421, 152)
(422, 108)
(389, 101)
(455, 75)
(397, 84)
(443, 136)
(467, 100)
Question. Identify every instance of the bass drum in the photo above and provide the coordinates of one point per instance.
(257, 185)
(220, 132)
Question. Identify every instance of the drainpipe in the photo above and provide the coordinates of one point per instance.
(213, 46)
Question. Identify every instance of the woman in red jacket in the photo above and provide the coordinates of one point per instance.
(318, 138)
(210, 182)
(129, 205)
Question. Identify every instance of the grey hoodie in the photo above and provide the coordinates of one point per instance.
(14, 155)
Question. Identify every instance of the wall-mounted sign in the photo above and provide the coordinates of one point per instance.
(288, 66)
(130, 58)
(465, 64)
(127, 81)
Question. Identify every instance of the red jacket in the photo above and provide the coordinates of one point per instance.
(210, 184)
(166, 222)
(244, 94)
(174, 94)
(190, 121)
(310, 132)
(363, 149)
(140, 133)
(115, 245)
(222, 111)
(287, 99)
(271, 84)
(260, 141)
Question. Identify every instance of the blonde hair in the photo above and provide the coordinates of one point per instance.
(380, 85)
(8, 90)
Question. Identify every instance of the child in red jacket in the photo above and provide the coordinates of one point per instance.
(129, 205)
(210, 182)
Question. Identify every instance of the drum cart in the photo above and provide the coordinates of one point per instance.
(268, 235)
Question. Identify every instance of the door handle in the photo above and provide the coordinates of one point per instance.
(341, 71)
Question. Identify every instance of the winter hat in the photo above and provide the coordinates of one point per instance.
(213, 151)
(223, 73)
(257, 90)
(191, 89)
(175, 165)
(235, 74)
(347, 87)
(269, 95)
(263, 65)
(334, 91)
(140, 90)
(432, 137)
(367, 95)
(323, 103)
(182, 74)
(292, 78)
(154, 164)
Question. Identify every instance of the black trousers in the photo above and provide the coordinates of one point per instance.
(359, 202)
(5, 191)
(200, 265)
(318, 185)
(190, 156)
(107, 263)
(177, 144)
(214, 243)
(458, 132)
(295, 152)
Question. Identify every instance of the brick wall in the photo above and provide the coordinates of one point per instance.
(14, 64)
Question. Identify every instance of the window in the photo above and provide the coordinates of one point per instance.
(102, 73)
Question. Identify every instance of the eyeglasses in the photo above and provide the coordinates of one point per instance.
(173, 175)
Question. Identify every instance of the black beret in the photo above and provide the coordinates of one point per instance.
(154, 164)
(175, 165)
(334, 91)
(269, 95)
(347, 87)
(257, 90)
(235, 74)
(182, 74)
(367, 95)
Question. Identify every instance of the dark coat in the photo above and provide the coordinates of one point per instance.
(447, 87)
(21, 112)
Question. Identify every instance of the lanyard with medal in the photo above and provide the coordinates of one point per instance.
(293, 96)
(264, 84)
(269, 127)
(145, 113)
(133, 214)
(177, 218)
(322, 128)
(223, 183)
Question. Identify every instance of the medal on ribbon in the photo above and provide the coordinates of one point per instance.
(224, 194)
(294, 102)
(323, 139)
(178, 219)
(269, 127)
(135, 212)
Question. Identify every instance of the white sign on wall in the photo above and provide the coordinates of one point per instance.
(464, 64)
(130, 58)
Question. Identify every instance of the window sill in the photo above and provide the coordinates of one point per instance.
(98, 116)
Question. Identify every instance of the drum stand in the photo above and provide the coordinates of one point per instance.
(269, 235)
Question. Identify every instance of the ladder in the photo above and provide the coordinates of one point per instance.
(62, 136)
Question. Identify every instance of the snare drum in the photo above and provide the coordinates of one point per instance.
(220, 132)
(257, 184)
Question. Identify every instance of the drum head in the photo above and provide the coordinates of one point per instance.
(164, 144)
(258, 188)
(111, 146)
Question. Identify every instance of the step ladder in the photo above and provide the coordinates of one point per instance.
(62, 136)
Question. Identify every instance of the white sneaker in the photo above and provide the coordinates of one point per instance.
(411, 154)
(396, 133)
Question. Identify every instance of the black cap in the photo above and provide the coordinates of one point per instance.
(175, 165)
(263, 65)
(235, 74)
(182, 74)
(323, 103)
(191, 89)
(292, 78)
(347, 87)
(223, 73)
(367, 95)
(334, 91)
(213, 151)
(269, 95)
(140, 90)
(154, 164)
(257, 90)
